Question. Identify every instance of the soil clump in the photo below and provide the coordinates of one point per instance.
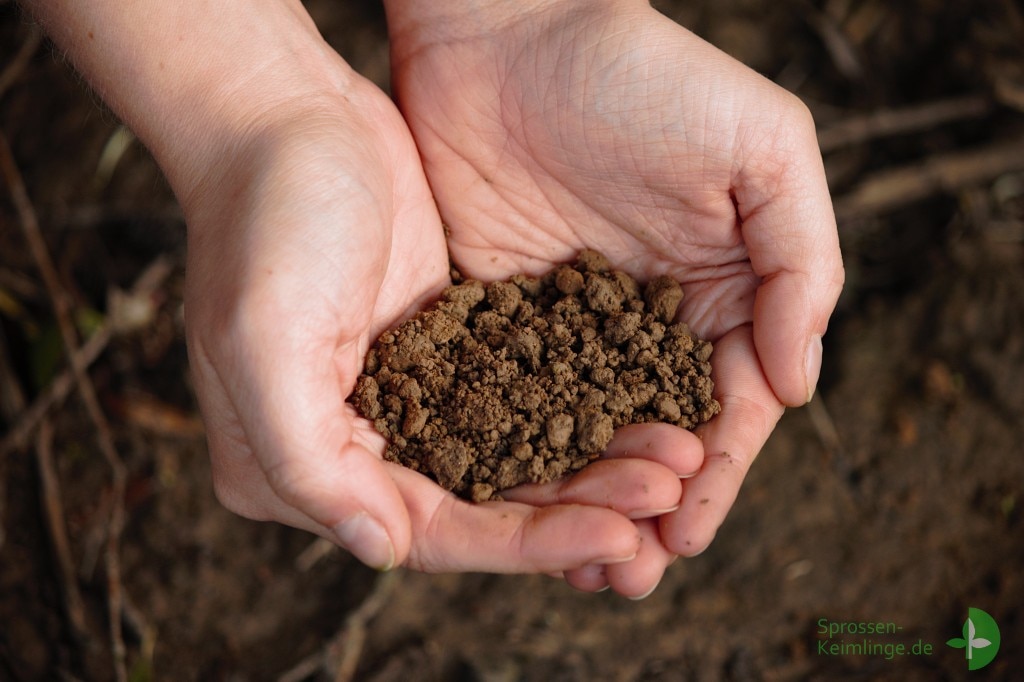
(526, 380)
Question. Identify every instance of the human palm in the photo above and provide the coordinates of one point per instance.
(615, 129)
(321, 206)
(304, 247)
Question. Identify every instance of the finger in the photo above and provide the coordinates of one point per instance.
(635, 488)
(590, 578)
(452, 535)
(292, 419)
(790, 318)
(241, 485)
(732, 440)
(790, 231)
(636, 579)
(678, 449)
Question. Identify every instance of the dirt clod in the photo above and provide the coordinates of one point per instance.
(526, 380)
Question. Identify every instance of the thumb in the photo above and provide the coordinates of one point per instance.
(288, 448)
(791, 313)
(790, 231)
(318, 462)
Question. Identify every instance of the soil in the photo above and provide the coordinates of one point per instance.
(525, 381)
(896, 496)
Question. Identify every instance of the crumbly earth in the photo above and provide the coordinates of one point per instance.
(526, 380)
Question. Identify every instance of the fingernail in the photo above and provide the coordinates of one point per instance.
(615, 559)
(812, 368)
(650, 513)
(367, 540)
(646, 594)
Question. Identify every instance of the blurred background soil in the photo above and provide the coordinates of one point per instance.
(895, 496)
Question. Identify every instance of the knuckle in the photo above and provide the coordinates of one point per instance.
(291, 482)
(236, 497)
(795, 111)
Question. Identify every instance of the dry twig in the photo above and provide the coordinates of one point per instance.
(895, 187)
(9, 76)
(151, 279)
(832, 444)
(339, 658)
(349, 646)
(53, 509)
(19, 434)
(821, 419)
(316, 551)
(888, 122)
(12, 402)
(12, 399)
(844, 54)
(62, 309)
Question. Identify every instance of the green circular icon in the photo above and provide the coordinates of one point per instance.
(980, 639)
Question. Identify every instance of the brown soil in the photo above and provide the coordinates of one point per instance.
(525, 381)
(896, 496)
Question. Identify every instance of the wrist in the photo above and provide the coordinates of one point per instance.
(192, 79)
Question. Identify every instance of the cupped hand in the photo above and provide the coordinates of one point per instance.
(310, 234)
(565, 125)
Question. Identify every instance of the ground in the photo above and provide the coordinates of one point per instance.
(895, 497)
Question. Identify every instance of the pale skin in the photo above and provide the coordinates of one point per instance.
(532, 130)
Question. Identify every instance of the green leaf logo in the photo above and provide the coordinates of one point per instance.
(980, 639)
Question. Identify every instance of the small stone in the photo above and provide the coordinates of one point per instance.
(504, 297)
(481, 492)
(559, 430)
(603, 295)
(568, 280)
(668, 409)
(621, 327)
(592, 261)
(663, 296)
(595, 431)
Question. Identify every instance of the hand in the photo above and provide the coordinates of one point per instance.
(311, 228)
(309, 242)
(604, 125)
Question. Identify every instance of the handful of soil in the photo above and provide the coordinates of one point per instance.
(524, 381)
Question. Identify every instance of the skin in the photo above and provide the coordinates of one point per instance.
(532, 130)
(604, 125)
